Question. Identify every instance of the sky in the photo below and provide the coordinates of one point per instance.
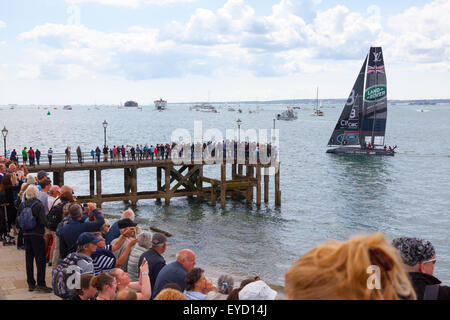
(111, 51)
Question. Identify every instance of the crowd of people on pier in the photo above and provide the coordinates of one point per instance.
(228, 149)
(121, 261)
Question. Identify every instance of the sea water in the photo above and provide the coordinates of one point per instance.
(324, 196)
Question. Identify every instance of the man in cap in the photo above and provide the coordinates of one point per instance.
(50, 155)
(419, 258)
(86, 245)
(127, 227)
(114, 231)
(69, 233)
(154, 257)
(41, 175)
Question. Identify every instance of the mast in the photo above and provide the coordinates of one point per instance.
(317, 100)
(363, 108)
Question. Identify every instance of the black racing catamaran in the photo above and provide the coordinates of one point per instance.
(362, 124)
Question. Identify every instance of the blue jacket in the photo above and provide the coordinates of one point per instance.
(69, 233)
(155, 263)
(172, 272)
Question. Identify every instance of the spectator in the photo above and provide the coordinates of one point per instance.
(128, 228)
(86, 290)
(419, 258)
(126, 294)
(34, 242)
(257, 290)
(50, 156)
(154, 256)
(234, 294)
(114, 231)
(103, 258)
(53, 193)
(142, 287)
(70, 232)
(224, 285)
(144, 243)
(197, 286)
(170, 294)
(175, 271)
(106, 286)
(340, 270)
(43, 194)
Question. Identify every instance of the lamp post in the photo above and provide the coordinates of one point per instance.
(4, 134)
(238, 121)
(105, 124)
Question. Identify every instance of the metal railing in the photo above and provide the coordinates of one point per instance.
(187, 154)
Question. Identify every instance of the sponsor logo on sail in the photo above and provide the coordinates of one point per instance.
(375, 93)
(376, 56)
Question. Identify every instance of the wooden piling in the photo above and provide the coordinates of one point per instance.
(266, 185)
(133, 185)
(277, 186)
(99, 186)
(91, 183)
(223, 184)
(158, 181)
(167, 185)
(258, 185)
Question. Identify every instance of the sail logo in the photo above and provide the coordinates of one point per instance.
(376, 56)
(375, 93)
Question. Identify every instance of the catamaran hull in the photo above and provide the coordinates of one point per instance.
(378, 152)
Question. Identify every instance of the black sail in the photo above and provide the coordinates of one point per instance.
(375, 100)
(347, 130)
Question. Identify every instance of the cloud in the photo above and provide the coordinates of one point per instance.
(2, 24)
(424, 35)
(131, 3)
(295, 37)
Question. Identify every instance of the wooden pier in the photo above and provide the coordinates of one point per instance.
(180, 180)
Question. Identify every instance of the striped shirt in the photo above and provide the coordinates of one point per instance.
(103, 260)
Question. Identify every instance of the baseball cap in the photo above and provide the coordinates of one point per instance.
(158, 238)
(42, 174)
(125, 223)
(87, 237)
(257, 290)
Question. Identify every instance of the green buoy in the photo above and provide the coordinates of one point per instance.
(48, 113)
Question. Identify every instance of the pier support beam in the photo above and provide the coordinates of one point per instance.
(258, 185)
(158, 181)
(240, 169)
(233, 171)
(200, 183)
(250, 175)
(223, 184)
(99, 186)
(266, 185)
(167, 185)
(58, 177)
(91, 183)
(133, 185)
(277, 185)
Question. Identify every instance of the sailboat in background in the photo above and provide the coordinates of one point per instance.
(317, 111)
(362, 124)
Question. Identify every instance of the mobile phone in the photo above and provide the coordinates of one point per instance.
(85, 205)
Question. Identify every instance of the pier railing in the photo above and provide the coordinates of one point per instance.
(86, 158)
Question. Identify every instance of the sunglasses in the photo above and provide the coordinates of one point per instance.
(432, 260)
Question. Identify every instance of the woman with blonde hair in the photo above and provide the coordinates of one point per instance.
(361, 268)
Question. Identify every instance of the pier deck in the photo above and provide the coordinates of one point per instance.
(180, 180)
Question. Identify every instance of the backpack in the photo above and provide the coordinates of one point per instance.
(63, 275)
(54, 216)
(26, 219)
